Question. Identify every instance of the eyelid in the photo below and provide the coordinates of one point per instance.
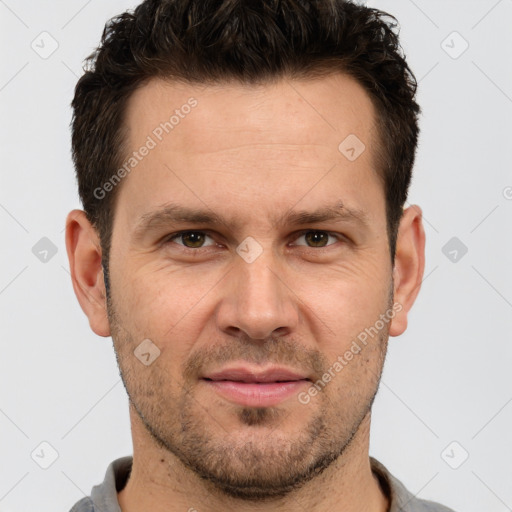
(169, 238)
(339, 236)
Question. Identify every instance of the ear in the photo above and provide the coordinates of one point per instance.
(84, 254)
(409, 266)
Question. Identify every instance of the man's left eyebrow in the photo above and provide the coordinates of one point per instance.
(336, 212)
(171, 214)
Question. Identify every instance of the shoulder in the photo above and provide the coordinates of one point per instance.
(103, 497)
(400, 498)
(417, 505)
(84, 505)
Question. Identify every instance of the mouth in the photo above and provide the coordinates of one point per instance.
(252, 381)
(249, 387)
(251, 375)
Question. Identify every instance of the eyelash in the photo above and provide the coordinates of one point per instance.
(169, 239)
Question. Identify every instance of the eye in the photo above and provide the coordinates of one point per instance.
(318, 239)
(196, 239)
(190, 239)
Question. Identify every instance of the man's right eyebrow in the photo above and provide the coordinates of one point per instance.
(172, 214)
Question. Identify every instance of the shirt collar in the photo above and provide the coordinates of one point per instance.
(104, 496)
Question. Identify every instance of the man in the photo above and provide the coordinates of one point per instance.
(243, 168)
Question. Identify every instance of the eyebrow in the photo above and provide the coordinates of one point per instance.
(170, 214)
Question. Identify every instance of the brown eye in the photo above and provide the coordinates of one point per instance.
(190, 239)
(317, 239)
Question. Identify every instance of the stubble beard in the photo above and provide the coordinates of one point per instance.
(262, 464)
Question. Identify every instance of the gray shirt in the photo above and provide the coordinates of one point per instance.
(104, 496)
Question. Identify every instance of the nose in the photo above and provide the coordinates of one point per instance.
(258, 300)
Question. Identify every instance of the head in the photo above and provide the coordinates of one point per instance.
(274, 40)
(251, 115)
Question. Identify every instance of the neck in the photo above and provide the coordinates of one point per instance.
(160, 482)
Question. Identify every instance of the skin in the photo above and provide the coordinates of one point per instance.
(250, 153)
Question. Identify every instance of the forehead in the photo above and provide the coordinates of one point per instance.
(319, 112)
(230, 144)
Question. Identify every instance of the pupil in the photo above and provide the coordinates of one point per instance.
(316, 235)
(193, 235)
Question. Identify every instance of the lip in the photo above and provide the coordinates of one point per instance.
(249, 387)
(253, 394)
(247, 374)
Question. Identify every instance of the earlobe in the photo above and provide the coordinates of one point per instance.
(409, 266)
(84, 255)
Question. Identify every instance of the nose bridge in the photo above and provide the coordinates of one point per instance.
(259, 302)
(260, 280)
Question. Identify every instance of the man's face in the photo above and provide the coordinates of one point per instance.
(251, 291)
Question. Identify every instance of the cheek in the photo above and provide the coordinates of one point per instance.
(164, 302)
(349, 302)
(166, 305)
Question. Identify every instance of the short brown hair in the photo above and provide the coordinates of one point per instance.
(256, 41)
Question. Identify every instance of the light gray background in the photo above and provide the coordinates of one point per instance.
(448, 378)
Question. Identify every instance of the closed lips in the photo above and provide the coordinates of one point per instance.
(244, 375)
